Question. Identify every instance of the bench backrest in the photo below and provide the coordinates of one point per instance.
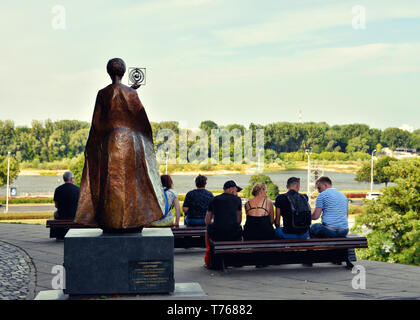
(63, 223)
(188, 231)
(288, 245)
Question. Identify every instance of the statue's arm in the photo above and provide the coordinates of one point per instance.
(95, 122)
(96, 119)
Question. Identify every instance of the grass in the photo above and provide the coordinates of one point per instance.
(26, 217)
(18, 216)
(28, 221)
(27, 200)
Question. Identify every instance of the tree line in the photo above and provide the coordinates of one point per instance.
(48, 140)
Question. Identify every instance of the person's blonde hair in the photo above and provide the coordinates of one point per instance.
(257, 188)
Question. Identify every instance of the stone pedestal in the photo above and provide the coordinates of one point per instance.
(98, 263)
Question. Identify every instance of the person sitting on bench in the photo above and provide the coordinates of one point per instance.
(66, 198)
(259, 215)
(295, 210)
(171, 197)
(226, 209)
(334, 208)
(197, 202)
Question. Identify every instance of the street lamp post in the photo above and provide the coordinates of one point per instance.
(166, 162)
(308, 153)
(371, 172)
(7, 184)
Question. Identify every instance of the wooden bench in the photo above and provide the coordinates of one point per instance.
(189, 237)
(275, 252)
(60, 227)
(184, 237)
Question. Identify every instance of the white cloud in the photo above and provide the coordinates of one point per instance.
(147, 8)
(296, 25)
(371, 59)
(407, 127)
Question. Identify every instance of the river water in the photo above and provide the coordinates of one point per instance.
(45, 185)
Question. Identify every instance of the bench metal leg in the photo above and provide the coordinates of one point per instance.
(349, 265)
(223, 265)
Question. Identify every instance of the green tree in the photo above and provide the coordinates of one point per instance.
(77, 168)
(78, 141)
(14, 170)
(272, 189)
(395, 138)
(380, 174)
(393, 220)
(415, 139)
(270, 155)
(357, 144)
(207, 126)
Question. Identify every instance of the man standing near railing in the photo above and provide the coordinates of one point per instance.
(334, 208)
(66, 198)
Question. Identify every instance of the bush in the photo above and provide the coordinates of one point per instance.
(393, 220)
(272, 189)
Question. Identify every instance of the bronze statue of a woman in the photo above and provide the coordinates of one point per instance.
(120, 189)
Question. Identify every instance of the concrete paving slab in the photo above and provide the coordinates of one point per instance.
(322, 281)
(182, 290)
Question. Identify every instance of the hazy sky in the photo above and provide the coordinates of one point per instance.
(230, 61)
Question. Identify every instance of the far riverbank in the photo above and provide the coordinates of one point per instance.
(29, 185)
(224, 169)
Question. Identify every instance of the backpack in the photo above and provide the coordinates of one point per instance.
(301, 211)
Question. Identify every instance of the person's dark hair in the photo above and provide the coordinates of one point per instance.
(115, 67)
(166, 181)
(292, 181)
(200, 181)
(324, 180)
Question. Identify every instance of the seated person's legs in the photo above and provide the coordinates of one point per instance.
(342, 233)
(282, 235)
(167, 221)
(194, 222)
(210, 231)
(318, 230)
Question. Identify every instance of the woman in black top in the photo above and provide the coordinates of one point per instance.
(259, 215)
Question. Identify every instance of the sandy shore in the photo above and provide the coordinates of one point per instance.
(206, 173)
(347, 168)
(36, 172)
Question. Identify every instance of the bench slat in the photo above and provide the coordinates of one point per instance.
(288, 245)
(289, 249)
(289, 241)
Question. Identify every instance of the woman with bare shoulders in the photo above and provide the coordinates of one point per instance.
(259, 215)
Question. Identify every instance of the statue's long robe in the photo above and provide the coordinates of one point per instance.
(121, 187)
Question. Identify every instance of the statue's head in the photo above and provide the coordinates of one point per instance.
(116, 67)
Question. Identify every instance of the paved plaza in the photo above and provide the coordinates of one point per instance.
(28, 256)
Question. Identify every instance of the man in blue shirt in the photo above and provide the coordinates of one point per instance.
(334, 208)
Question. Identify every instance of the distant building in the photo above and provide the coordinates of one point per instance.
(407, 127)
(400, 153)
